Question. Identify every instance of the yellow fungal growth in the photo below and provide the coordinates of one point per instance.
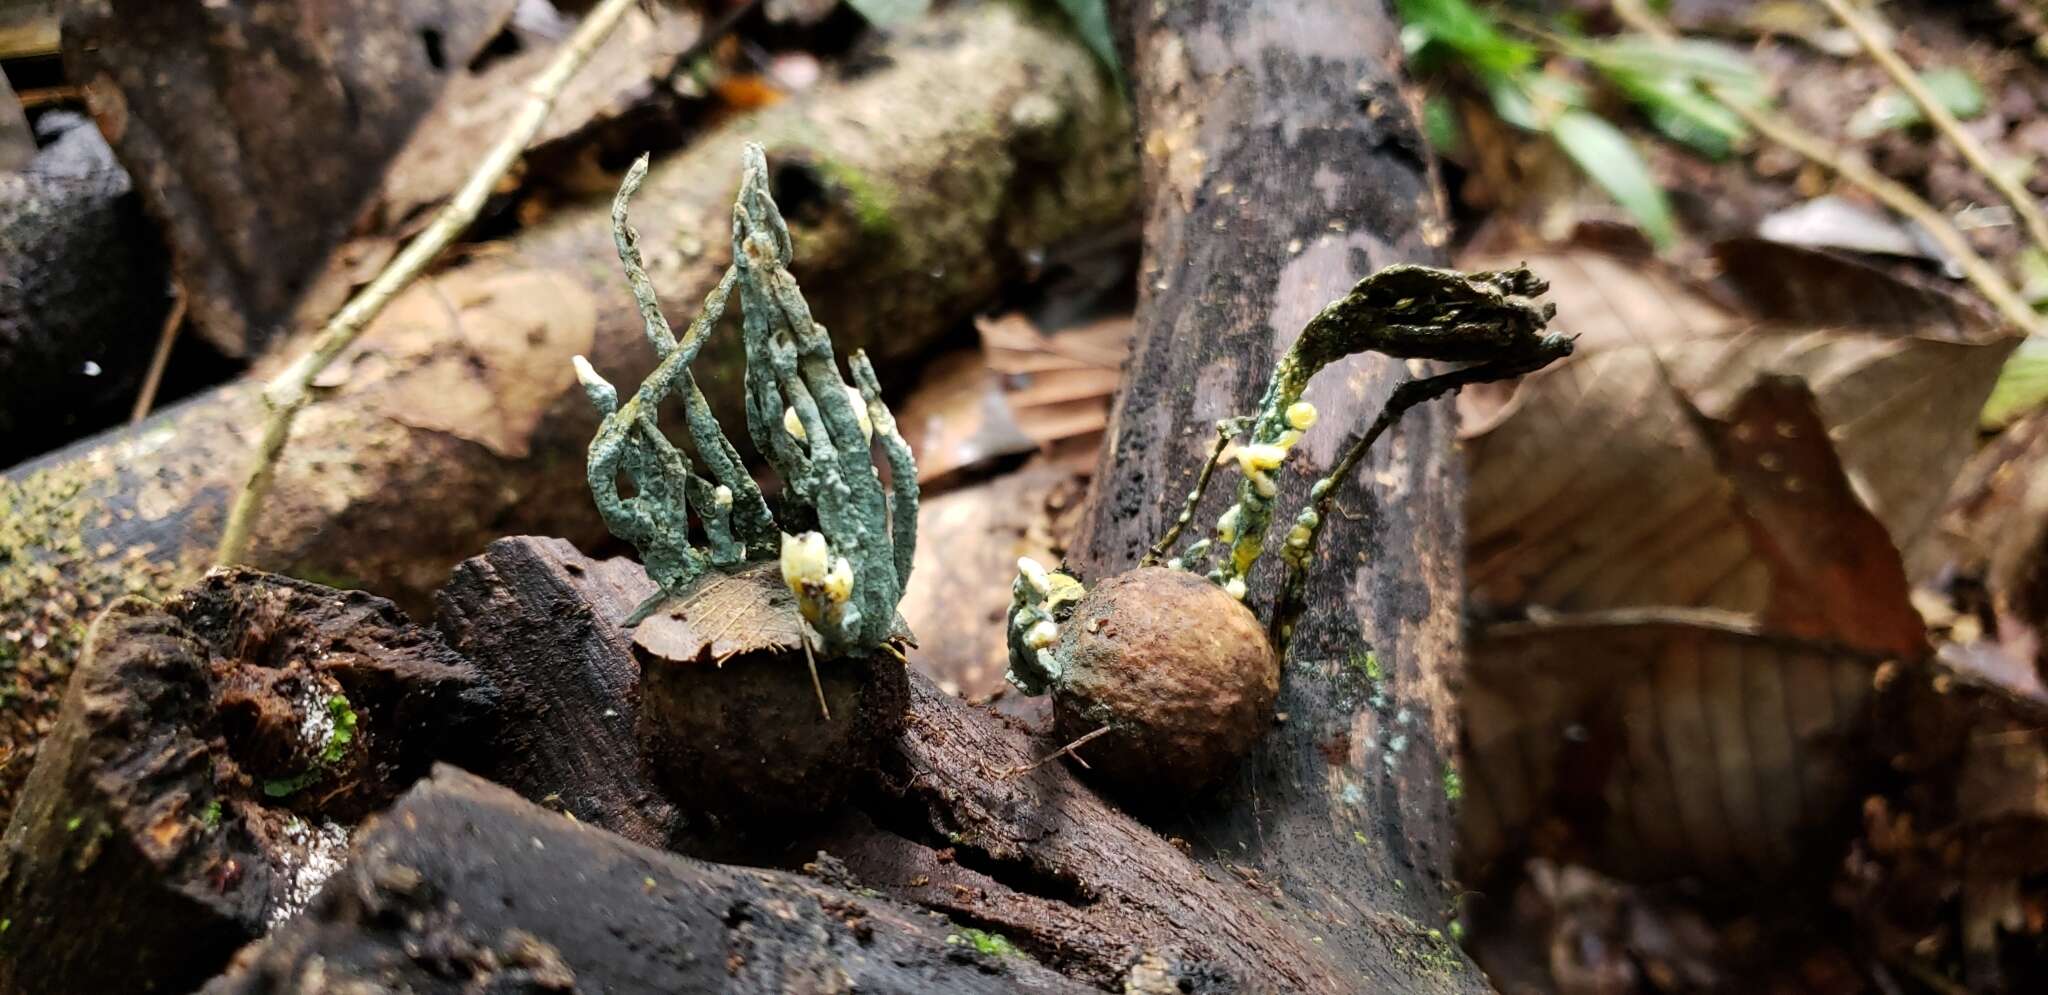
(1226, 524)
(805, 558)
(838, 582)
(1034, 574)
(1298, 537)
(1062, 590)
(809, 568)
(1042, 635)
(1301, 416)
(1260, 457)
(1246, 553)
(795, 425)
(1234, 587)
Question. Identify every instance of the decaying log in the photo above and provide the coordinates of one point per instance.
(81, 291)
(209, 759)
(541, 620)
(258, 131)
(956, 822)
(465, 887)
(459, 419)
(1282, 164)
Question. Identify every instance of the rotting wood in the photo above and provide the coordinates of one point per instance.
(1283, 163)
(211, 756)
(233, 118)
(439, 438)
(463, 886)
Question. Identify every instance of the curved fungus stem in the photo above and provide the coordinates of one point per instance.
(1493, 322)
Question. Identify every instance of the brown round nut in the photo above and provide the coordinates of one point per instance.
(1180, 671)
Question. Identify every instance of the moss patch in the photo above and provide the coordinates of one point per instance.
(992, 944)
(873, 204)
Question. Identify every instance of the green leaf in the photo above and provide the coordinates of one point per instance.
(1605, 154)
(343, 717)
(2022, 385)
(1466, 31)
(1669, 82)
(1685, 115)
(1511, 103)
(1890, 109)
(890, 13)
(1091, 21)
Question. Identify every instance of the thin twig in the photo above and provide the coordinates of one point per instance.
(1863, 26)
(1825, 154)
(1225, 429)
(292, 389)
(1056, 754)
(811, 660)
(146, 398)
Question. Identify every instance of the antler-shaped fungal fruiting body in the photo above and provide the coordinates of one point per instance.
(1492, 321)
(1175, 675)
(816, 431)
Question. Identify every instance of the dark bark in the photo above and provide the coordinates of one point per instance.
(955, 822)
(82, 291)
(181, 804)
(914, 190)
(258, 131)
(542, 621)
(464, 887)
(1283, 162)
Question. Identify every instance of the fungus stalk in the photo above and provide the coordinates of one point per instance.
(1492, 322)
(849, 572)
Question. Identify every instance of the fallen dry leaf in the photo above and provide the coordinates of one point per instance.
(1059, 386)
(1697, 515)
(1591, 489)
(258, 134)
(957, 420)
(726, 615)
(470, 117)
(479, 351)
(1665, 747)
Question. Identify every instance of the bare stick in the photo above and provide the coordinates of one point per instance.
(292, 389)
(1056, 754)
(1225, 429)
(173, 321)
(811, 660)
(1862, 25)
(1893, 194)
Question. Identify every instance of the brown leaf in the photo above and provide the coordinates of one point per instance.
(957, 420)
(259, 133)
(1674, 746)
(1059, 387)
(470, 117)
(1835, 576)
(1701, 512)
(1592, 490)
(726, 615)
(1996, 532)
(480, 351)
